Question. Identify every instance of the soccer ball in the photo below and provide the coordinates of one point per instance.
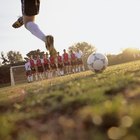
(97, 62)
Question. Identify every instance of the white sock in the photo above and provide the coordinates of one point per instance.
(46, 73)
(34, 29)
(32, 78)
(28, 78)
(51, 74)
(83, 68)
(62, 72)
(79, 68)
(40, 75)
(36, 77)
(73, 70)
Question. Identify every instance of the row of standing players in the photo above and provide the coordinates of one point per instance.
(42, 67)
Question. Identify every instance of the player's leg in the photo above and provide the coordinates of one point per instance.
(30, 8)
(77, 65)
(31, 26)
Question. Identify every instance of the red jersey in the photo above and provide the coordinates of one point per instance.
(52, 60)
(38, 62)
(59, 58)
(46, 60)
(65, 57)
(32, 63)
(73, 57)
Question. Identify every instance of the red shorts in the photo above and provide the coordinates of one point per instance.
(73, 63)
(40, 69)
(60, 65)
(33, 70)
(53, 66)
(66, 63)
(79, 62)
(46, 67)
(28, 73)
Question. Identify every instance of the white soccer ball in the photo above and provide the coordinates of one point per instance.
(97, 62)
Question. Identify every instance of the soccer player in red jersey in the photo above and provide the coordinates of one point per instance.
(28, 70)
(60, 64)
(53, 66)
(39, 67)
(66, 61)
(80, 64)
(33, 65)
(46, 65)
(73, 61)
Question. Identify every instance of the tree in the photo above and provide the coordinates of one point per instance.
(4, 59)
(131, 53)
(86, 48)
(128, 54)
(34, 53)
(14, 57)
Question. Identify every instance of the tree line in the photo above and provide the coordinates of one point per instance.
(15, 58)
(128, 54)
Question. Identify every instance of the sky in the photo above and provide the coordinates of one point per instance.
(109, 25)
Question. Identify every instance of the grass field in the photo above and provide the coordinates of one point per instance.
(82, 106)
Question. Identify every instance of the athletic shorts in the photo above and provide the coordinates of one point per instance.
(40, 69)
(33, 70)
(66, 63)
(73, 62)
(28, 73)
(30, 7)
(53, 66)
(60, 65)
(46, 67)
(79, 62)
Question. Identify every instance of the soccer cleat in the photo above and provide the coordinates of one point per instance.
(18, 23)
(50, 45)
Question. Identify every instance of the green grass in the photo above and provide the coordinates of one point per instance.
(82, 106)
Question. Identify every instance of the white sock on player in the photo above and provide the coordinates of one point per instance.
(28, 78)
(34, 29)
(36, 77)
(31, 78)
